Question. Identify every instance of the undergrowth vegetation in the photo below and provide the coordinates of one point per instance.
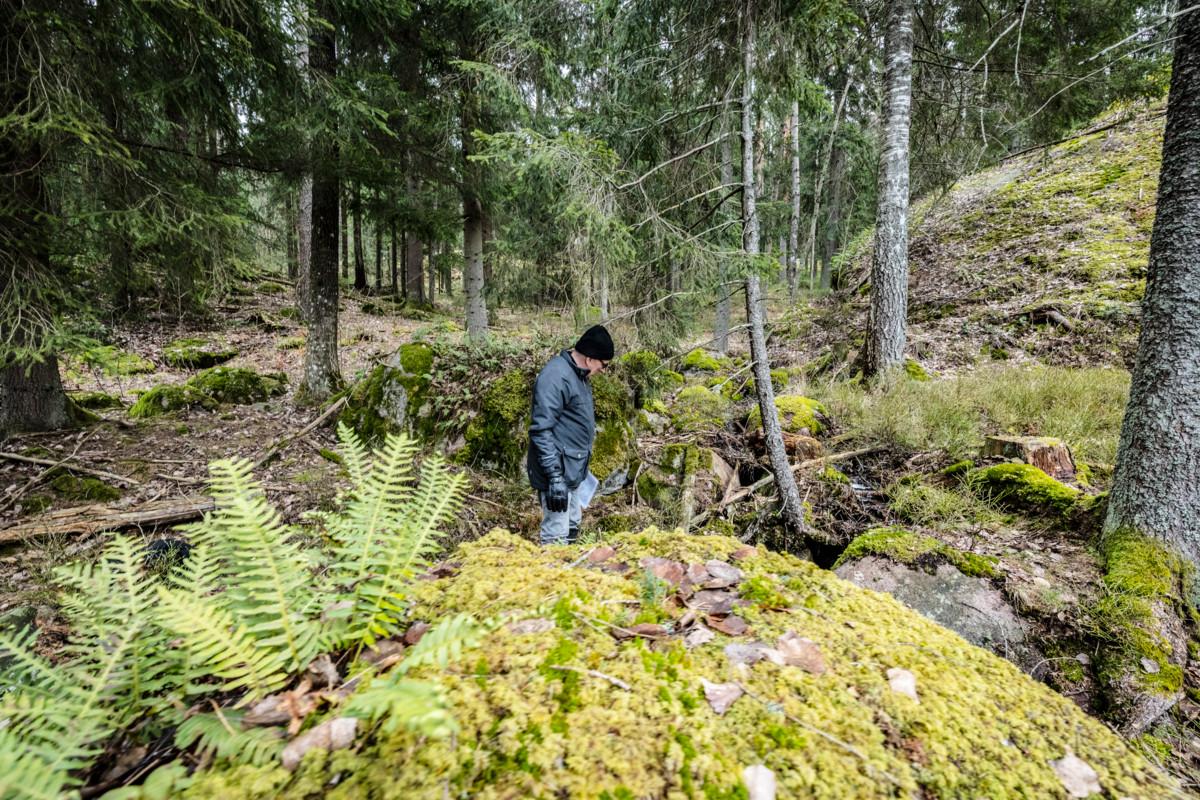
(186, 647)
(1080, 406)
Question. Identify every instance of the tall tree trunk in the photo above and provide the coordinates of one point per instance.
(785, 481)
(447, 270)
(378, 256)
(810, 242)
(345, 239)
(793, 263)
(431, 271)
(322, 376)
(360, 263)
(414, 271)
(724, 289)
(395, 286)
(833, 220)
(292, 219)
(304, 246)
(477, 320)
(889, 267)
(31, 392)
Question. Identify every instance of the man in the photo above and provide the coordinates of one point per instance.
(561, 431)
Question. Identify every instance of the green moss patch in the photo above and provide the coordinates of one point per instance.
(291, 343)
(905, 547)
(615, 446)
(197, 353)
(80, 488)
(797, 414)
(108, 360)
(209, 389)
(1023, 488)
(701, 361)
(629, 718)
(698, 408)
(391, 396)
(94, 401)
(498, 435)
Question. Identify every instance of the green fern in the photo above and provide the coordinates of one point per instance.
(221, 736)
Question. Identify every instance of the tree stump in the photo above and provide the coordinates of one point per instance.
(1050, 455)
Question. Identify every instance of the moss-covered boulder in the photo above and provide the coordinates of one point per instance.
(905, 547)
(615, 447)
(698, 408)
(700, 361)
(95, 401)
(797, 414)
(682, 478)
(870, 701)
(209, 389)
(499, 434)
(643, 372)
(1023, 488)
(195, 353)
(108, 360)
(391, 397)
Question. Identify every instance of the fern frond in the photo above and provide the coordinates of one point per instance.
(268, 578)
(419, 706)
(60, 732)
(26, 776)
(355, 455)
(443, 643)
(223, 737)
(22, 666)
(219, 647)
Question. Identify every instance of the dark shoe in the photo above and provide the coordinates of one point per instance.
(573, 535)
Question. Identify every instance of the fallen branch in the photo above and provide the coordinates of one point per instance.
(812, 462)
(274, 449)
(98, 517)
(41, 476)
(620, 684)
(45, 462)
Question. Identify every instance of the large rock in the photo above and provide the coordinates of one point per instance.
(390, 398)
(969, 606)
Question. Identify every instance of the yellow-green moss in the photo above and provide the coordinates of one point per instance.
(95, 400)
(83, 487)
(796, 414)
(291, 343)
(699, 360)
(1024, 488)
(914, 370)
(197, 353)
(697, 409)
(209, 389)
(109, 360)
(831, 474)
(498, 435)
(642, 371)
(906, 547)
(528, 730)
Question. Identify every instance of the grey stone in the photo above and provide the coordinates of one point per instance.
(971, 607)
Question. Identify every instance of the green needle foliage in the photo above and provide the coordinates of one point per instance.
(243, 615)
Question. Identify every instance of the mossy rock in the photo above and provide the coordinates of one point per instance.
(643, 372)
(905, 547)
(94, 401)
(109, 360)
(640, 725)
(291, 343)
(81, 488)
(1023, 488)
(615, 446)
(914, 370)
(391, 397)
(700, 361)
(197, 353)
(209, 389)
(662, 480)
(499, 433)
(697, 409)
(797, 414)
(779, 382)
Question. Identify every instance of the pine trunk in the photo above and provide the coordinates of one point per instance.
(889, 268)
(724, 309)
(785, 481)
(793, 262)
(322, 376)
(395, 286)
(833, 220)
(345, 240)
(360, 264)
(809, 253)
(431, 273)
(378, 257)
(414, 268)
(1154, 486)
(304, 247)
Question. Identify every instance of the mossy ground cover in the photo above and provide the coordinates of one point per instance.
(630, 718)
(209, 389)
(197, 353)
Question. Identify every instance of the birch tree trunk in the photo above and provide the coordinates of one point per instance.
(793, 264)
(889, 268)
(785, 481)
(322, 377)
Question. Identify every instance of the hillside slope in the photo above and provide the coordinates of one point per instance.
(1041, 258)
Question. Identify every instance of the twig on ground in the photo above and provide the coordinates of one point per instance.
(41, 476)
(620, 684)
(274, 449)
(99, 473)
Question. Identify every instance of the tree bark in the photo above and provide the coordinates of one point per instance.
(414, 268)
(360, 264)
(1158, 458)
(378, 256)
(477, 320)
(889, 268)
(345, 240)
(724, 310)
(31, 393)
(793, 261)
(304, 246)
(293, 252)
(395, 286)
(810, 243)
(431, 273)
(322, 376)
(833, 220)
(793, 510)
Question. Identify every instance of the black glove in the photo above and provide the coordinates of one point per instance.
(556, 495)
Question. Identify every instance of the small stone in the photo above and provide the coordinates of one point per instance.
(744, 552)
(530, 626)
(1151, 666)
(1083, 658)
(1077, 776)
(722, 575)
(385, 653)
(334, 734)
(903, 682)
(760, 782)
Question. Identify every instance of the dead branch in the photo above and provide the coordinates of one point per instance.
(98, 517)
(45, 462)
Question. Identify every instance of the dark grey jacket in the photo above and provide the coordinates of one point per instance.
(562, 426)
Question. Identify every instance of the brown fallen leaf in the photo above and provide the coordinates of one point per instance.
(801, 652)
(444, 569)
(602, 553)
(721, 695)
(731, 625)
(712, 601)
(1077, 776)
(644, 630)
(415, 632)
(904, 682)
(333, 734)
(528, 626)
(665, 569)
(721, 575)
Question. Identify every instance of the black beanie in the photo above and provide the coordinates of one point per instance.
(595, 343)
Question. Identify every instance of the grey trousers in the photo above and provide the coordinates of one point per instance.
(556, 524)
